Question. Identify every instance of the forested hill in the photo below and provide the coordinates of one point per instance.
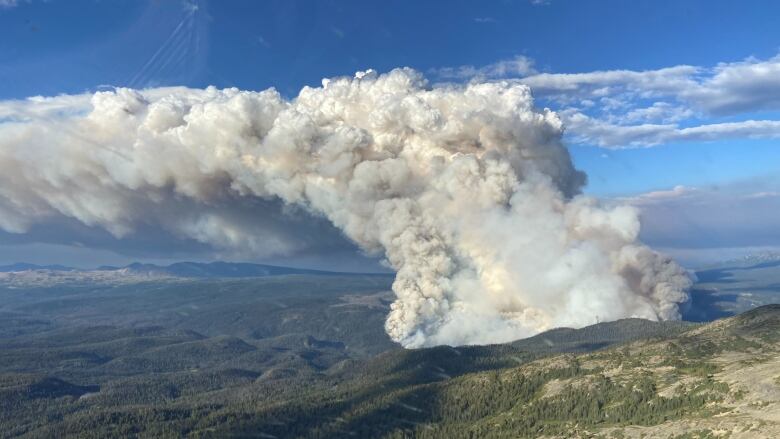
(721, 377)
(307, 356)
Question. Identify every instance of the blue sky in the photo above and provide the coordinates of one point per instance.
(670, 93)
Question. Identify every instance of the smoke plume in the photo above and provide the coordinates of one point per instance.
(467, 191)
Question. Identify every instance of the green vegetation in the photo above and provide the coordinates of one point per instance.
(305, 356)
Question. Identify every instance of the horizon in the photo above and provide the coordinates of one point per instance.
(761, 255)
(438, 219)
(32, 266)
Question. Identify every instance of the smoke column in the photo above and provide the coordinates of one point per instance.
(467, 191)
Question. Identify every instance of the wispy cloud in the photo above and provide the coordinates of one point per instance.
(337, 32)
(728, 88)
(262, 41)
(514, 67)
(191, 6)
(677, 193)
(586, 130)
(8, 3)
(484, 20)
(630, 108)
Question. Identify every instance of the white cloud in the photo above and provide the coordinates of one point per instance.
(663, 112)
(728, 88)
(587, 130)
(676, 193)
(513, 67)
(595, 84)
(750, 85)
(629, 108)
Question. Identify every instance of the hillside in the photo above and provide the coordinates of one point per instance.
(153, 381)
(718, 380)
(306, 356)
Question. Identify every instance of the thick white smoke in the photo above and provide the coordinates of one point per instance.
(466, 190)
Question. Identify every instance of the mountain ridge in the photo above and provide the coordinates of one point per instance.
(186, 269)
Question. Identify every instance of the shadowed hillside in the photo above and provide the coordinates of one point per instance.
(668, 386)
(307, 356)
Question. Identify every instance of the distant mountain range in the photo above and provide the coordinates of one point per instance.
(179, 269)
(749, 260)
(23, 266)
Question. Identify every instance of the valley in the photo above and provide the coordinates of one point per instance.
(306, 355)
